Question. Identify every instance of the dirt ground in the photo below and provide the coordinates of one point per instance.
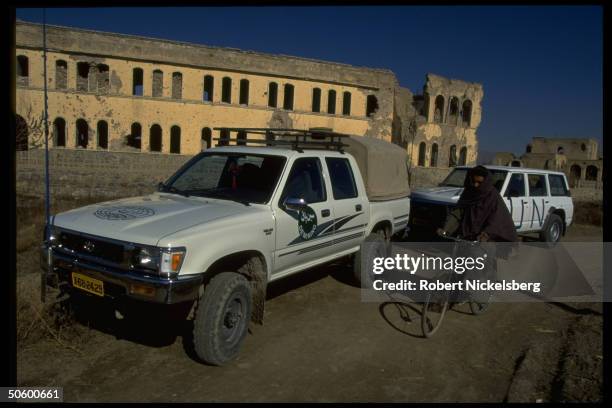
(319, 342)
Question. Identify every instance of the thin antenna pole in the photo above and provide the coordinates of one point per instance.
(46, 116)
(43, 283)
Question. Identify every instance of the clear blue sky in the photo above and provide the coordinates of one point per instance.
(541, 67)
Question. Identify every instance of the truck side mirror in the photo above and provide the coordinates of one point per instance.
(160, 186)
(294, 204)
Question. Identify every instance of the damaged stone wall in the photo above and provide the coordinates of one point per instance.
(76, 173)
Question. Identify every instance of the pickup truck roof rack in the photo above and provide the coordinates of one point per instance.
(296, 139)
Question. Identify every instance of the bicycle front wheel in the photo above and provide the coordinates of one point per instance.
(434, 309)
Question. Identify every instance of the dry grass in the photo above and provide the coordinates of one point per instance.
(37, 321)
(588, 212)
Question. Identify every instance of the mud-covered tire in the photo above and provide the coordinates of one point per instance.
(378, 238)
(553, 229)
(222, 317)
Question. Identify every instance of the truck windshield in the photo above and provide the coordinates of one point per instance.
(246, 178)
(457, 177)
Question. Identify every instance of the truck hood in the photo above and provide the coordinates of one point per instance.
(437, 195)
(146, 219)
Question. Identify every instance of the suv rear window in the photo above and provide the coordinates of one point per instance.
(557, 185)
(537, 185)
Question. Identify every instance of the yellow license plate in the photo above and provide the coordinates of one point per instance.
(88, 284)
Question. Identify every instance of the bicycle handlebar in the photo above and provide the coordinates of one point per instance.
(457, 239)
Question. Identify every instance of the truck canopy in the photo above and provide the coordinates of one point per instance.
(382, 166)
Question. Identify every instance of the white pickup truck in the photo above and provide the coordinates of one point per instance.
(230, 221)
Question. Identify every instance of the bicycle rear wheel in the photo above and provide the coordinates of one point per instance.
(479, 307)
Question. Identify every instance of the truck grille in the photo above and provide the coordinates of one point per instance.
(427, 216)
(92, 247)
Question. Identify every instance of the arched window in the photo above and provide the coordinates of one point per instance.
(575, 175)
(155, 138)
(463, 156)
(466, 113)
(175, 139)
(59, 132)
(82, 133)
(224, 134)
(206, 138)
(22, 131)
(453, 112)
(316, 100)
(439, 109)
(272, 94)
(452, 156)
(288, 97)
(82, 76)
(422, 152)
(560, 150)
(528, 149)
(331, 102)
(134, 139)
(241, 138)
(137, 80)
(371, 105)
(346, 103)
(209, 86)
(158, 84)
(61, 74)
(102, 84)
(244, 92)
(434, 156)
(102, 133)
(177, 85)
(226, 90)
(591, 173)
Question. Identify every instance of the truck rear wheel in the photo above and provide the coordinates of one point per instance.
(221, 318)
(375, 245)
(552, 230)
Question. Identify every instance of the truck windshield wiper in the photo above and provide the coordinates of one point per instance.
(172, 189)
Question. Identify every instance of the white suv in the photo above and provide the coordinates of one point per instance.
(539, 200)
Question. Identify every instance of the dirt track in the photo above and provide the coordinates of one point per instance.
(321, 343)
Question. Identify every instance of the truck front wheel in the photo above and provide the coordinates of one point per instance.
(221, 318)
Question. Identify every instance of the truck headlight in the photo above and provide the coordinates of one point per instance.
(162, 261)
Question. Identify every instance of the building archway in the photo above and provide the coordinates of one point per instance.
(22, 133)
(575, 175)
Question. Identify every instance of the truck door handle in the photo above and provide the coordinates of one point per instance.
(325, 213)
(358, 207)
(523, 202)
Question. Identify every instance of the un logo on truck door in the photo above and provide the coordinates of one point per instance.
(307, 222)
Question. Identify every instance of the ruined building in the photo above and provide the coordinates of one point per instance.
(118, 92)
(577, 158)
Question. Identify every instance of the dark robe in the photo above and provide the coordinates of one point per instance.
(484, 210)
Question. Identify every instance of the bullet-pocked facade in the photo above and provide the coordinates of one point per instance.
(116, 92)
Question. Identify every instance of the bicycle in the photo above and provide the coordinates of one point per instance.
(437, 302)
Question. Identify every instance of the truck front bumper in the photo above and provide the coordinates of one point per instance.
(119, 283)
